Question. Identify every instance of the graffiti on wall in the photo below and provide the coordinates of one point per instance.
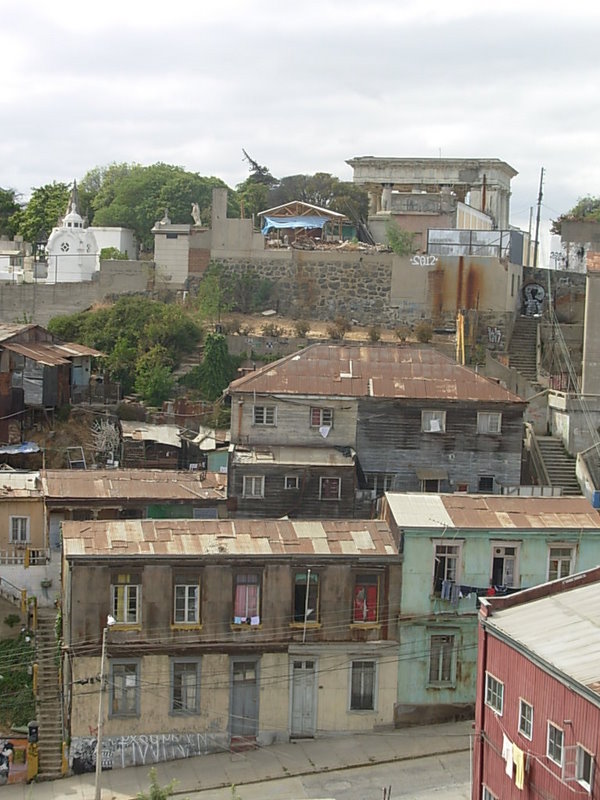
(494, 336)
(142, 749)
(533, 299)
(424, 261)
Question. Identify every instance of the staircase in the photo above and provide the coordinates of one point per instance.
(522, 350)
(48, 700)
(560, 466)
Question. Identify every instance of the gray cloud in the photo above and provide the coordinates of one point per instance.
(301, 88)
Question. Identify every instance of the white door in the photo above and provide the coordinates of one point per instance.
(303, 698)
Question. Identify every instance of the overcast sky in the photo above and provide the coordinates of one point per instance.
(302, 87)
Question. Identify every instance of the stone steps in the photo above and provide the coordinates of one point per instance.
(48, 699)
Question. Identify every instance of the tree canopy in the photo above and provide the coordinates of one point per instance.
(324, 190)
(587, 209)
(134, 196)
(9, 207)
(46, 206)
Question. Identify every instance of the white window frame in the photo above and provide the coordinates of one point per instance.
(525, 719)
(582, 781)
(330, 478)
(191, 605)
(449, 575)
(20, 524)
(487, 794)
(325, 417)
(548, 744)
(187, 710)
(561, 559)
(484, 422)
(130, 590)
(291, 482)
(499, 544)
(250, 483)
(429, 415)
(264, 415)
(134, 685)
(494, 693)
(440, 680)
(373, 707)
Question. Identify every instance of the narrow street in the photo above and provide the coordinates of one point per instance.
(445, 776)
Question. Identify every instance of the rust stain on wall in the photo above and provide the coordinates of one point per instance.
(459, 283)
(473, 285)
(436, 294)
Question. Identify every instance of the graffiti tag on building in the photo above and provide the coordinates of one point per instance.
(494, 336)
(143, 749)
(424, 261)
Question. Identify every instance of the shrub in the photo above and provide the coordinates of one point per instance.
(374, 333)
(402, 332)
(271, 329)
(301, 328)
(424, 332)
(131, 412)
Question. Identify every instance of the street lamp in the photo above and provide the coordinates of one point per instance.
(110, 621)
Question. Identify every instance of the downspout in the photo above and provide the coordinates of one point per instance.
(306, 605)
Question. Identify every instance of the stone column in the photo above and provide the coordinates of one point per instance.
(386, 197)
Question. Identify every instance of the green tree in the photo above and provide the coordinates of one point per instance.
(46, 205)
(153, 380)
(324, 190)
(401, 241)
(136, 196)
(587, 209)
(9, 210)
(217, 370)
(108, 253)
(213, 298)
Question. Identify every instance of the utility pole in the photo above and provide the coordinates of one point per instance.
(98, 785)
(537, 220)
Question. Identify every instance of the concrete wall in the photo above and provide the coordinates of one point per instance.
(567, 288)
(41, 302)
(571, 418)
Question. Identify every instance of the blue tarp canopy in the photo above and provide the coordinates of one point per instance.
(292, 222)
(24, 447)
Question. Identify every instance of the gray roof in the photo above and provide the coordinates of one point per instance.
(491, 512)
(562, 629)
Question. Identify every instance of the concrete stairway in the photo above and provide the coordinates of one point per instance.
(522, 348)
(48, 702)
(560, 466)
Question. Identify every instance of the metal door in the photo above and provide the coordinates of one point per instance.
(303, 699)
(56, 521)
(244, 699)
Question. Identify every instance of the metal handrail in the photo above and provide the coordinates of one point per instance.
(536, 455)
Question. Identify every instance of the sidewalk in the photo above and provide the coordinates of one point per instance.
(301, 757)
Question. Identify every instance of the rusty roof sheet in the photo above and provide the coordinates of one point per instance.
(133, 484)
(72, 349)
(378, 371)
(492, 512)
(223, 538)
(8, 329)
(563, 629)
(42, 353)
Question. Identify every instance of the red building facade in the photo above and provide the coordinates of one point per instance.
(538, 693)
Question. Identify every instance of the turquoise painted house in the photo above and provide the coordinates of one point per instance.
(456, 548)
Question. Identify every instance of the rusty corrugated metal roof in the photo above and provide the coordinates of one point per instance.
(133, 484)
(263, 538)
(378, 371)
(42, 353)
(71, 349)
(8, 329)
(492, 512)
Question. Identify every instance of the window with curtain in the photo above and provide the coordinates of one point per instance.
(246, 600)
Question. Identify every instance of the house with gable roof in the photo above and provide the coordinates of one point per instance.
(326, 430)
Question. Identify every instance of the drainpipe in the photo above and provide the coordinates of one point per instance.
(476, 791)
(306, 605)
